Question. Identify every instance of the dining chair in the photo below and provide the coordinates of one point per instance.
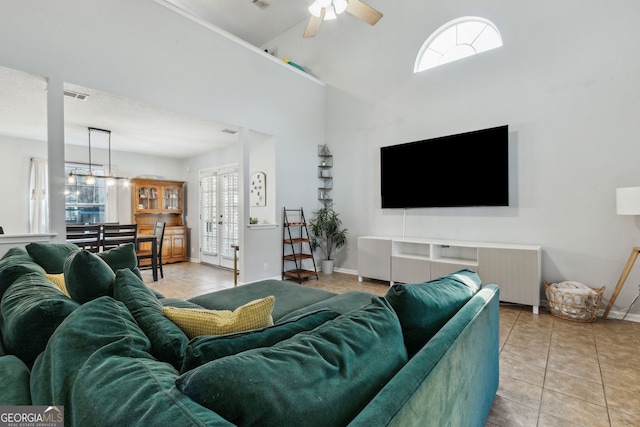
(144, 253)
(114, 235)
(86, 237)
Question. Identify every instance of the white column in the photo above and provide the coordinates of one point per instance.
(55, 136)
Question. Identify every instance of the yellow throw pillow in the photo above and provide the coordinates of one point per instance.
(195, 322)
(58, 280)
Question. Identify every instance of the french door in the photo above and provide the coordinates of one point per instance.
(219, 227)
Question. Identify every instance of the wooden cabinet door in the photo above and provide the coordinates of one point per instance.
(179, 246)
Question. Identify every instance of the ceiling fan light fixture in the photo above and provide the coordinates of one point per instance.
(315, 9)
(330, 13)
(340, 6)
(324, 3)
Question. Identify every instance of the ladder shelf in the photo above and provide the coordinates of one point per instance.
(297, 259)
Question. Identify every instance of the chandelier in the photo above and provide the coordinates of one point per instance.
(331, 8)
(91, 176)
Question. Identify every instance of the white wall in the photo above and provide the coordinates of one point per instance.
(565, 82)
(262, 159)
(15, 169)
(145, 51)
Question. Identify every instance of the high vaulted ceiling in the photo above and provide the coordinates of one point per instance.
(135, 126)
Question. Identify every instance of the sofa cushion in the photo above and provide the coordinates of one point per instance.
(195, 322)
(289, 296)
(423, 308)
(51, 256)
(123, 256)
(167, 339)
(318, 378)
(87, 276)
(207, 348)
(15, 251)
(340, 303)
(14, 382)
(98, 366)
(58, 280)
(15, 265)
(32, 309)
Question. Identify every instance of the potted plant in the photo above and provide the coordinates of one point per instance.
(327, 234)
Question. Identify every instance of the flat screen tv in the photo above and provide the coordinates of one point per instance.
(467, 169)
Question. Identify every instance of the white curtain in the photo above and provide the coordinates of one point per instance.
(38, 197)
(111, 205)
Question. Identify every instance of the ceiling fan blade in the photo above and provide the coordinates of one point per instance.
(363, 11)
(313, 25)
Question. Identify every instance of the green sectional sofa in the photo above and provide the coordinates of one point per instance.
(426, 354)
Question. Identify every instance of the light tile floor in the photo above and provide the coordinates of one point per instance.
(553, 372)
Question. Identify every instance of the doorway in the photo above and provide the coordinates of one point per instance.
(219, 221)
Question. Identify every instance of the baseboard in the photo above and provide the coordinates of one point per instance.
(345, 271)
(613, 315)
(617, 315)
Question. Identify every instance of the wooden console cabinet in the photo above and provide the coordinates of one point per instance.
(155, 200)
(515, 268)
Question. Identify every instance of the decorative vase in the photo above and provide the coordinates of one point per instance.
(327, 266)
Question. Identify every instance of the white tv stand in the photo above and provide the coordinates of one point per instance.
(515, 268)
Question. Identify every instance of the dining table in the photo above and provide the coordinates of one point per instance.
(153, 239)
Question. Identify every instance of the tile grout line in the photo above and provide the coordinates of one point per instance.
(604, 389)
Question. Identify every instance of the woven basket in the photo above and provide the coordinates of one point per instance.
(574, 306)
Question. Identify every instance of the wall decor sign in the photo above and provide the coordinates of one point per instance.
(258, 187)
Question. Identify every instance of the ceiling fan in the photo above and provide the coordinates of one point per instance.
(329, 9)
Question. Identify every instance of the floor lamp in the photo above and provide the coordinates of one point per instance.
(627, 203)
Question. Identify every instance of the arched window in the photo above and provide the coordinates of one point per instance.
(458, 39)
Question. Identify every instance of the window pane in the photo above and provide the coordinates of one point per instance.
(209, 208)
(230, 228)
(84, 203)
(444, 41)
(430, 59)
(489, 39)
(468, 31)
(457, 52)
(457, 39)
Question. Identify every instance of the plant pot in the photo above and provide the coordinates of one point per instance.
(327, 266)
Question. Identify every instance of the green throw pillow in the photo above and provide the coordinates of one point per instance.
(322, 377)
(98, 366)
(423, 308)
(168, 341)
(15, 251)
(14, 266)
(32, 309)
(123, 256)
(204, 349)
(87, 276)
(14, 382)
(51, 256)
